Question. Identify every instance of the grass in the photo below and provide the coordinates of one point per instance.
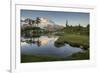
(38, 58)
(76, 40)
(81, 56)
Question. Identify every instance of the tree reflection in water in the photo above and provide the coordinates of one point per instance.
(38, 41)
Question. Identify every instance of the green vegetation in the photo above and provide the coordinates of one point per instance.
(38, 58)
(76, 36)
(81, 56)
(74, 40)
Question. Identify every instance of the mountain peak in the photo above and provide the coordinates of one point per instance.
(43, 23)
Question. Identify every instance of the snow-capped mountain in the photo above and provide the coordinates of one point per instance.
(43, 23)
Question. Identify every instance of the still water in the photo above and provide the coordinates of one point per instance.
(45, 46)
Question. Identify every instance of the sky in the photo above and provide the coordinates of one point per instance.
(73, 18)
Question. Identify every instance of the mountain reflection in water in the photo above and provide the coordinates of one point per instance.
(45, 45)
(40, 41)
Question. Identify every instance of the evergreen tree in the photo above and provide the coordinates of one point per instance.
(66, 23)
(88, 26)
(79, 27)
